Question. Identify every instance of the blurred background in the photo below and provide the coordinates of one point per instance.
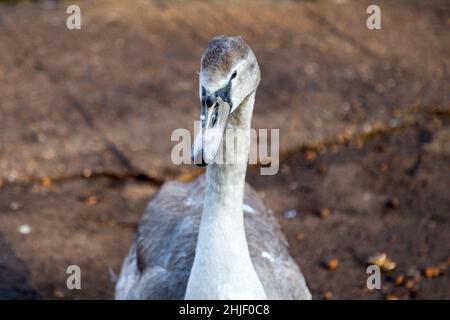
(364, 117)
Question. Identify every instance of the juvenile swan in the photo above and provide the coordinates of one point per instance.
(214, 238)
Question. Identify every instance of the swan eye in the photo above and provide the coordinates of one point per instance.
(234, 75)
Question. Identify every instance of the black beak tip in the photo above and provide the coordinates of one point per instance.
(199, 164)
(203, 164)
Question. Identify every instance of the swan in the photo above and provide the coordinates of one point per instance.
(213, 238)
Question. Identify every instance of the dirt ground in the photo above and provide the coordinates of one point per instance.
(364, 118)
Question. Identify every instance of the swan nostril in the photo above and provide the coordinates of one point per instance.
(208, 102)
(214, 119)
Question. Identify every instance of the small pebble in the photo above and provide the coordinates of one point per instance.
(293, 186)
(24, 229)
(367, 127)
(87, 173)
(393, 203)
(14, 206)
(311, 68)
(12, 176)
(348, 133)
(290, 214)
(367, 196)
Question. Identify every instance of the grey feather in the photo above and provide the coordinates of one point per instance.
(162, 253)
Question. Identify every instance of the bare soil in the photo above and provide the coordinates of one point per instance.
(364, 119)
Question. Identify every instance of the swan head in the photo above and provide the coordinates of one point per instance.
(229, 73)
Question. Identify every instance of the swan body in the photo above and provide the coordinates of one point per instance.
(214, 238)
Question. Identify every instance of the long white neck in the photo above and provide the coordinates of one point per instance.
(222, 266)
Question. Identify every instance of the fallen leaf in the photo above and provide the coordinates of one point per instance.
(388, 265)
(58, 293)
(46, 182)
(391, 296)
(300, 236)
(431, 272)
(383, 261)
(91, 200)
(328, 295)
(324, 213)
(399, 279)
(409, 284)
(310, 155)
(378, 259)
(332, 264)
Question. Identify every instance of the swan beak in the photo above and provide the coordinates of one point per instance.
(209, 138)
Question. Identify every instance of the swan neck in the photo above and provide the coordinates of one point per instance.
(222, 266)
